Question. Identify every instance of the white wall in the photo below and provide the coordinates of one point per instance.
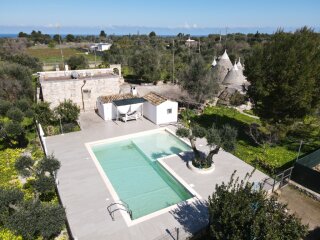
(99, 106)
(158, 114)
(150, 112)
(105, 110)
(104, 47)
(163, 116)
(114, 112)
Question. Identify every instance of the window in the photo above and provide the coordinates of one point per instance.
(169, 110)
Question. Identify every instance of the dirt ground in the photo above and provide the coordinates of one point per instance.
(305, 208)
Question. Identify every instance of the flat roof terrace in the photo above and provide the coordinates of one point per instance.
(86, 197)
(80, 77)
(78, 74)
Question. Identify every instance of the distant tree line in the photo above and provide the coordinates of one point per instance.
(39, 37)
(152, 58)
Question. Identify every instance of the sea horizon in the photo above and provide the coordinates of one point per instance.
(12, 31)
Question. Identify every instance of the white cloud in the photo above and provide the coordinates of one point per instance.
(188, 26)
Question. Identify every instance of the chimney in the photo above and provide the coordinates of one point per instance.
(133, 91)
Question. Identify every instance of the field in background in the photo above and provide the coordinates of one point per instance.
(53, 55)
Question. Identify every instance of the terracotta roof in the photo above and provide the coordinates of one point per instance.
(111, 98)
(155, 98)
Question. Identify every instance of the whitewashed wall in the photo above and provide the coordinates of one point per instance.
(100, 108)
(162, 114)
(158, 114)
(105, 110)
(150, 112)
(108, 111)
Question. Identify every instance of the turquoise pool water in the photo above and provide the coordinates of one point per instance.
(131, 166)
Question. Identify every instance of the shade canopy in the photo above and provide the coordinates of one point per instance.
(130, 101)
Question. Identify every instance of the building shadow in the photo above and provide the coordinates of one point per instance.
(313, 234)
(192, 216)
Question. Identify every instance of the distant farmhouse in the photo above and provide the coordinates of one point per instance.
(100, 47)
(191, 43)
(83, 87)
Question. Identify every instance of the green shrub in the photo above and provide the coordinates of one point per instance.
(237, 99)
(70, 127)
(34, 219)
(6, 234)
(77, 62)
(14, 129)
(29, 113)
(4, 107)
(15, 114)
(23, 104)
(67, 111)
(43, 113)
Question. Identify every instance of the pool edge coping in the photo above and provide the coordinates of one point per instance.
(114, 194)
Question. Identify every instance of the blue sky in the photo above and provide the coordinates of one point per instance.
(84, 15)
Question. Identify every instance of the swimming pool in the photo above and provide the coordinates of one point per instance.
(137, 177)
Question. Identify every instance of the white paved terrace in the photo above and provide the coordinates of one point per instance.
(84, 193)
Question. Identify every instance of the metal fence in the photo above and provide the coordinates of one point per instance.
(271, 184)
(305, 171)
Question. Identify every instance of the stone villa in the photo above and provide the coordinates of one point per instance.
(83, 87)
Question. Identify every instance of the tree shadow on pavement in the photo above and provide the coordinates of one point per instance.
(192, 216)
(313, 234)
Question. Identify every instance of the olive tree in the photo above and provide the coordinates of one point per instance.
(240, 210)
(216, 139)
(42, 171)
(77, 62)
(198, 80)
(30, 219)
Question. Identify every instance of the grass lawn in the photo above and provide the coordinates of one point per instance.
(271, 159)
(249, 112)
(53, 55)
